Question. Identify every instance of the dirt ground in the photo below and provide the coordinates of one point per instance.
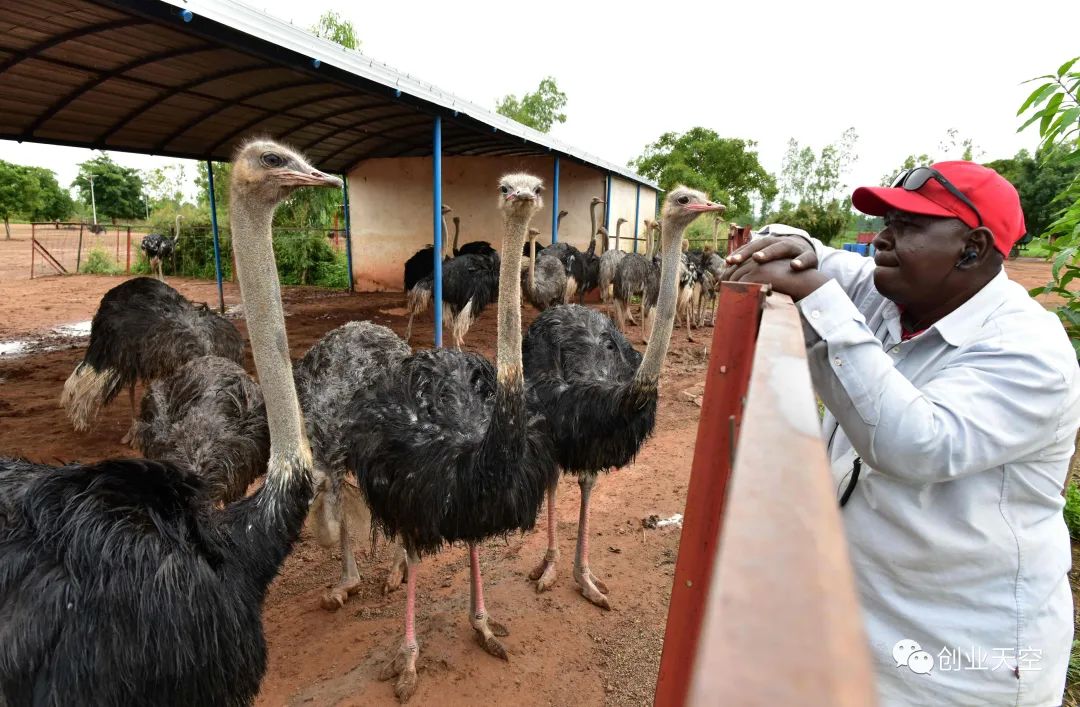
(563, 650)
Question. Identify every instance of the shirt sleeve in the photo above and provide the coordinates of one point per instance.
(991, 404)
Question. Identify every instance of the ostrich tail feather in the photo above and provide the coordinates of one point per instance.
(86, 391)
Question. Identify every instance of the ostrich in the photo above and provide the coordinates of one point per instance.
(635, 274)
(474, 247)
(157, 247)
(143, 330)
(119, 583)
(581, 271)
(446, 450)
(470, 283)
(597, 392)
(354, 355)
(422, 263)
(690, 288)
(609, 261)
(544, 283)
(208, 418)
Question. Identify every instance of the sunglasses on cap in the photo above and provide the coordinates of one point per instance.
(916, 178)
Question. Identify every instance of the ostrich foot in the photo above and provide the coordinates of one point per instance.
(545, 574)
(403, 667)
(336, 597)
(591, 587)
(486, 631)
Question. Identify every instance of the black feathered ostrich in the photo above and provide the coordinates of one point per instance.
(354, 355)
(582, 269)
(208, 418)
(446, 450)
(422, 263)
(143, 330)
(597, 392)
(157, 247)
(119, 583)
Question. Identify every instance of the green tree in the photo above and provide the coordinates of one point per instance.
(817, 178)
(1054, 104)
(165, 185)
(222, 174)
(539, 110)
(19, 193)
(951, 147)
(337, 29)
(1039, 180)
(727, 169)
(118, 191)
(54, 202)
(823, 221)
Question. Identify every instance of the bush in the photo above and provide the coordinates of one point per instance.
(100, 262)
(1072, 510)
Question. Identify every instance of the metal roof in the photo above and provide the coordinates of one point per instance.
(192, 79)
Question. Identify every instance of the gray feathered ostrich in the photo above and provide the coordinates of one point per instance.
(143, 330)
(119, 583)
(609, 261)
(157, 247)
(582, 269)
(210, 419)
(544, 282)
(598, 394)
(354, 355)
(636, 275)
(446, 450)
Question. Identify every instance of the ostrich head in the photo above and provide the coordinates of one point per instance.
(266, 172)
(684, 204)
(446, 209)
(520, 196)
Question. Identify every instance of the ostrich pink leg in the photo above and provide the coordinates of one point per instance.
(404, 663)
(591, 587)
(486, 628)
(544, 573)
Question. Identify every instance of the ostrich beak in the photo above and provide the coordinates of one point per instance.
(706, 207)
(313, 178)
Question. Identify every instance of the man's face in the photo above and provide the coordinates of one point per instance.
(916, 257)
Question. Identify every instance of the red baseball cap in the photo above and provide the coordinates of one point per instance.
(995, 198)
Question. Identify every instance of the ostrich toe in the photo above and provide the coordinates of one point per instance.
(339, 594)
(545, 574)
(403, 666)
(592, 588)
(486, 631)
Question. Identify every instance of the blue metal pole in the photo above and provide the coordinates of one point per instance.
(637, 214)
(436, 210)
(217, 243)
(607, 206)
(348, 229)
(555, 206)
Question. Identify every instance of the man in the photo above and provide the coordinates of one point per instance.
(952, 406)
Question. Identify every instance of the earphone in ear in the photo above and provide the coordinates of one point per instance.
(970, 256)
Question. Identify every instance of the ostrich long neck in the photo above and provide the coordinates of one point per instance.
(648, 373)
(176, 233)
(508, 357)
(592, 217)
(457, 229)
(261, 291)
(618, 232)
(532, 264)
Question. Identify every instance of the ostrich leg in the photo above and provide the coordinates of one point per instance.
(129, 437)
(395, 573)
(350, 576)
(544, 573)
(486, 628)
(591, 587)
(403, 666)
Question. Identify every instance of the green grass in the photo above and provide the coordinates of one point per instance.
(100, 262)
(1072, 510)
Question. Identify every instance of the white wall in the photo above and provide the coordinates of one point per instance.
(390, 207)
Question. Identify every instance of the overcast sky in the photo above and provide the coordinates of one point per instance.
(900, 74)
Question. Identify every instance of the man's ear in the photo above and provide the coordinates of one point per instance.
(979, 241)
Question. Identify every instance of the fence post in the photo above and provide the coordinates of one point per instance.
(33, 240)
(117, 244)
(127, 268)
(78, 253)
(348, 229)
(217, 244)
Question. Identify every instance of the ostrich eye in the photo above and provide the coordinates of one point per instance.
(272, 160)
(539, 189)
(610, 345)
(684, 200)
(503, 189)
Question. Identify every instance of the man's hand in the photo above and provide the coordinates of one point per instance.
(782, 276)
(794, 249)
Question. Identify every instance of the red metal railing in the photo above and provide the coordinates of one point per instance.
(763, 608)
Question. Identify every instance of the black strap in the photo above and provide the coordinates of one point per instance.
(855, 469)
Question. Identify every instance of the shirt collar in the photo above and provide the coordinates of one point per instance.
(960, 324)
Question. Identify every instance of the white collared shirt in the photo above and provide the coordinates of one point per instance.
(955, 526)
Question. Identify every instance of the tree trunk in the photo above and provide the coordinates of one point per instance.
(7, 229)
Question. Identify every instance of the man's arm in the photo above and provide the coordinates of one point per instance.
(990, 405)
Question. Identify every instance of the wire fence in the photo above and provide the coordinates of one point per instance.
(305, 256)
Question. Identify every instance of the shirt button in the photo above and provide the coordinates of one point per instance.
(896, 349)
(837, 361)
(815, 314)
